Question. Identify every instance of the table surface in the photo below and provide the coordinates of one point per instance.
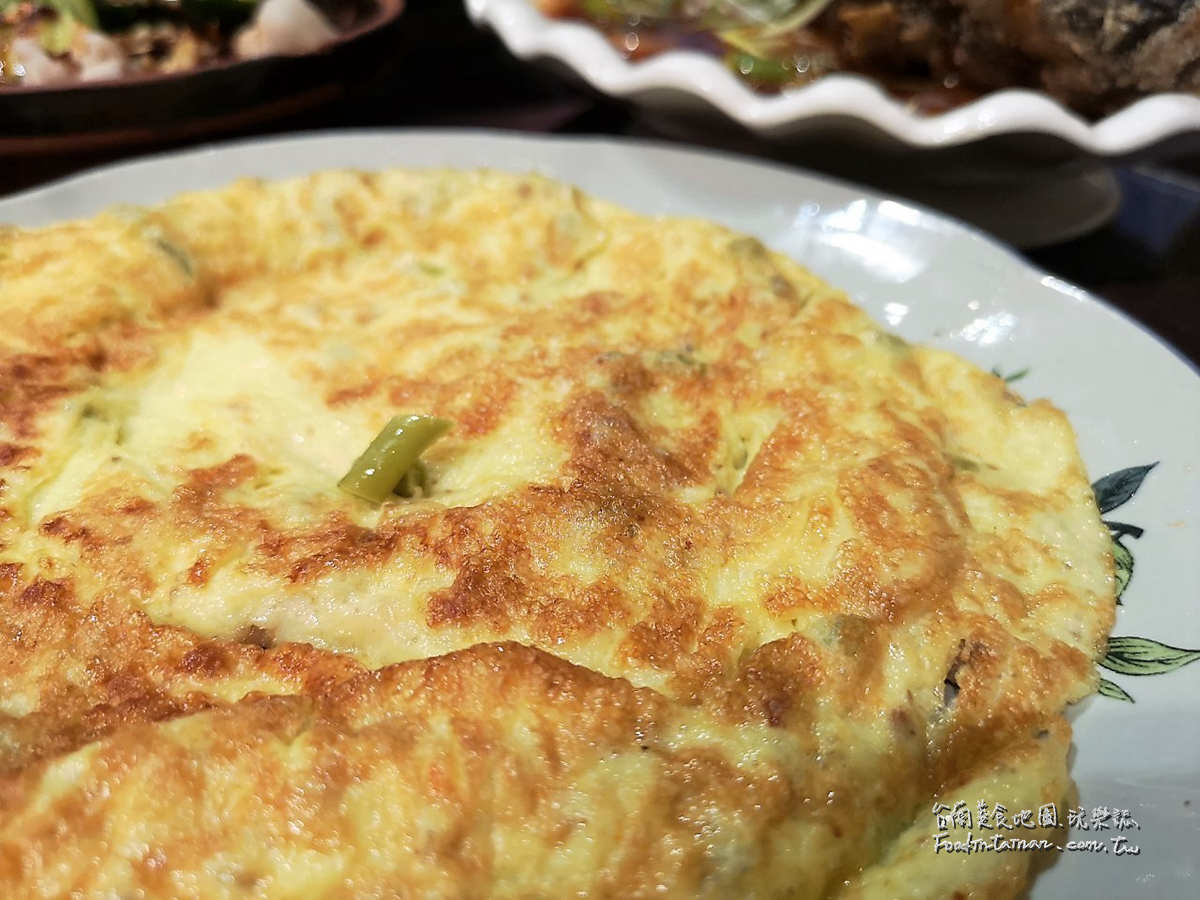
(1146, 260)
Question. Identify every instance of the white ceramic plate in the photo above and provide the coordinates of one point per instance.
(1132, 401)
(684, 80)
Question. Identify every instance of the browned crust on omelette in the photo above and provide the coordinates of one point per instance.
(703, 550)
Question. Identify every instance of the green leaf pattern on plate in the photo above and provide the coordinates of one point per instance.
(1112, 689)
(1116, 489)
(1123, 562)
(1124, 655)
(1012, 376)
(1130, 655)
(1143, 656)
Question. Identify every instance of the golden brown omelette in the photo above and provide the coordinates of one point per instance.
(718, 588)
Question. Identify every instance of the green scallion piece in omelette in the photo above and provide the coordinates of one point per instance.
(391, 464)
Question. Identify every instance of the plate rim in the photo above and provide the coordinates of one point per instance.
(529, 34)
(933, 224)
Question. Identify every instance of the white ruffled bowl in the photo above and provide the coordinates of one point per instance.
(686, 81)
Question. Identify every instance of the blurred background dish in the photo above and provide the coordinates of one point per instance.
(928, 120)
(78, 75)
(694, 74)
(1127, 228)
(1094, 56)
(60, 43)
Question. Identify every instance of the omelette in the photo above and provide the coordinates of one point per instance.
(712, 588)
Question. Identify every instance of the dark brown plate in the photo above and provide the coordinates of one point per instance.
(157, 108)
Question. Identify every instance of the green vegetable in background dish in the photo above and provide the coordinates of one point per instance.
(776, 14)
(391, 463)
(627, 9)
(114, 15)
(82, 11)
(784, 15)
(760, 69)
(765, 52)
(56, 37)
